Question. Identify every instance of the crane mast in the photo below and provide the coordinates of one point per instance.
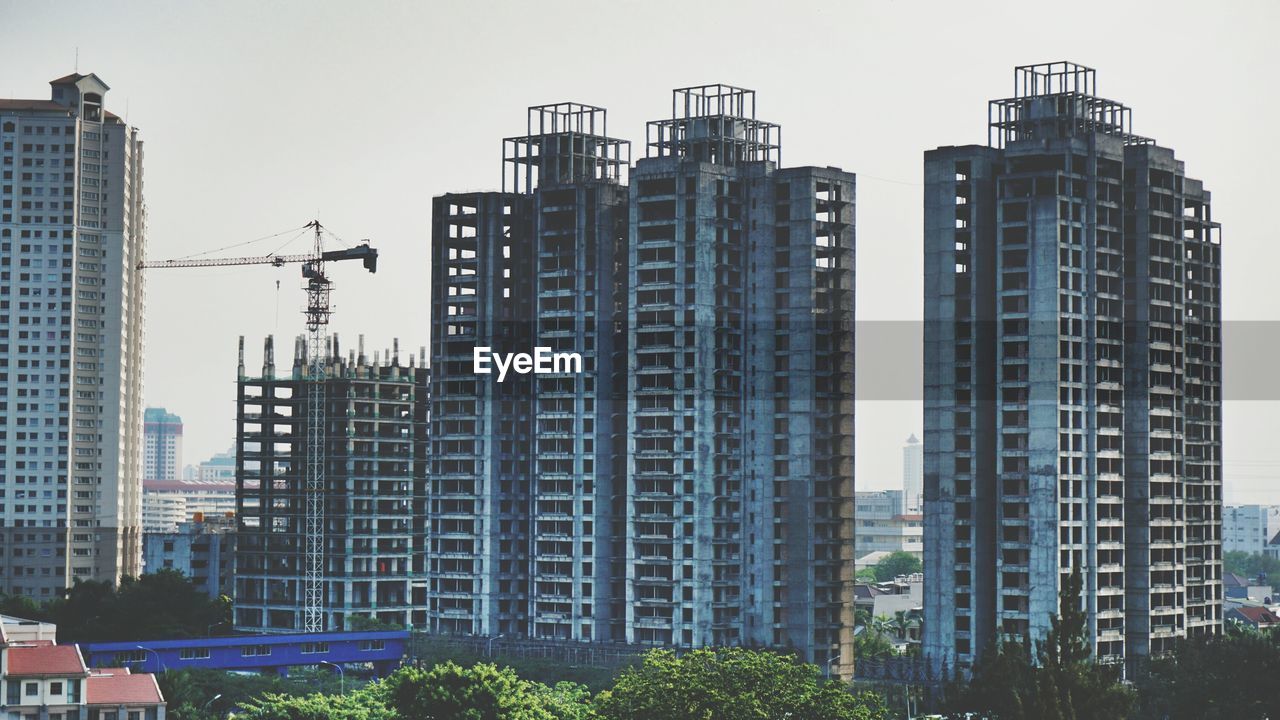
(318, 311)
(319, 288)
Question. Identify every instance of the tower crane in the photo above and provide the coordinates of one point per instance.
(318, 310)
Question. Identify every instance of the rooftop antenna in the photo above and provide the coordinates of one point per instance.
(77, 64)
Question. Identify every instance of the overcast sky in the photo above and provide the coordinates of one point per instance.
(259, 116)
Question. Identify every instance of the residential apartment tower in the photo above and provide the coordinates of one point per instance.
(72, 230)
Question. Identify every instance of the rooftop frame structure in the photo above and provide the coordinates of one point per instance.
(1057, 99)
(564, 142)
(1054, 78)
(714, 123)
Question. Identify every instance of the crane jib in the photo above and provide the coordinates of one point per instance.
(317, 314)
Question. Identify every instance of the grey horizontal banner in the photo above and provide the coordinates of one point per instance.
(889, 354)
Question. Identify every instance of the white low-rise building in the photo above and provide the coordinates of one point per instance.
(880, 525)
(40, 679)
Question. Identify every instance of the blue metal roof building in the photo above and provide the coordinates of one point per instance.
(384, 650)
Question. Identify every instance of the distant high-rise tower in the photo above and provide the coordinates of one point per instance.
(1072, 379)
(375, 514)
(72, 230)
(912, 475)
(693, 485)
(162, 444)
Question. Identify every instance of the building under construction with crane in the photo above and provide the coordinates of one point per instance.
(372, 534)
(330, 469)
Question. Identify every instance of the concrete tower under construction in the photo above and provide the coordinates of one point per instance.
(1073, 402)
(739, 502)
(691, 483)
(374, 501)
(525, 469)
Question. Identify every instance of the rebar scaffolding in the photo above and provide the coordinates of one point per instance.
(717, 124)
(563, 143)
(1057, 116)
(1054, 78)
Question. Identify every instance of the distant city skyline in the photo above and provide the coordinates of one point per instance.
(338, 128)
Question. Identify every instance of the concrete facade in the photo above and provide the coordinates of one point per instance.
(203, 550)
(1072, 379)
(693, 485)
(375, 513)
(72, 229)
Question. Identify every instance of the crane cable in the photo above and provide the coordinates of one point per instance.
(247, 242)
(286, 243)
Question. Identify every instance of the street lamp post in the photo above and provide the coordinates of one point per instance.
(159, 660)
(830, 662)
(211, 701)
(488, 648)
(342, 676)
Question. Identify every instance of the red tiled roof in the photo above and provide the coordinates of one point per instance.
(20, 104)
(1257, 614)
(123, 690)
(39, 660)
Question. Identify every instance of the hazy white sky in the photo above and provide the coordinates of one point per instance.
(258, 116)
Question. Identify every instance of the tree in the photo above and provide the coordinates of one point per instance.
(22, 606)
(1251, 564)
(1229, 677)
(731, 684)
(431, 650)
(896, 563)
(158, 606)
(451, 692)
(361, 705)
(368, 623)
(200, 694)
(870, 640)
(871, 645)
(1059, 681)
(566, 700)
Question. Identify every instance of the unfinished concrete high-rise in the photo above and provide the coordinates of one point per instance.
(1072, 379)
(693, 484)
(374, 503)
(739, 508)
(525, 469)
